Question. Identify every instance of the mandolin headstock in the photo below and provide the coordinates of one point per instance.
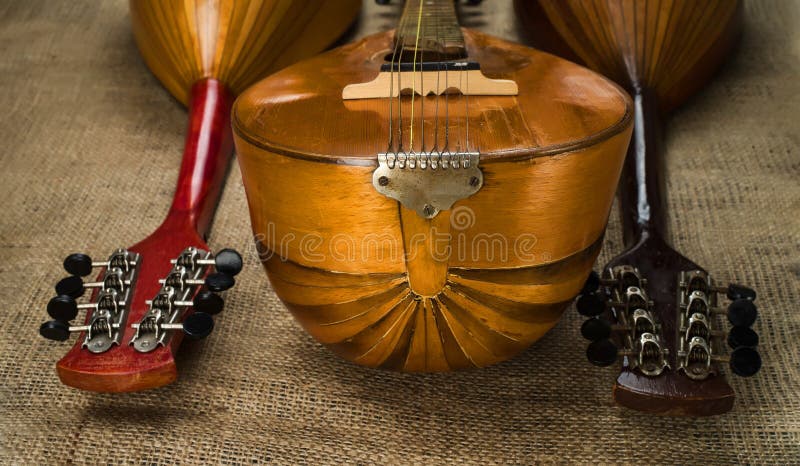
(142, 302)
(676, 331)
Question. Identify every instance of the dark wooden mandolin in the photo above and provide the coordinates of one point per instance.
(657, 310)
(146, 297)
(430, 198)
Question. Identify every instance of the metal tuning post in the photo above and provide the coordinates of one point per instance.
(107, 314)
(179, 292)
(700, 336)
(621, 295)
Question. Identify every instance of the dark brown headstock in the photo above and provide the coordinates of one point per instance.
(664, 317)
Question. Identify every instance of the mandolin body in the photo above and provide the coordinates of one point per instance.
(384, 287)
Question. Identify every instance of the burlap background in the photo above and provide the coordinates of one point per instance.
(92, 145)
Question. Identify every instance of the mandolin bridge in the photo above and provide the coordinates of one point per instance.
(428, 182)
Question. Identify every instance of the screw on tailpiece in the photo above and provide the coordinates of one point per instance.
(428, 210)
(474, 181)
(383, 181)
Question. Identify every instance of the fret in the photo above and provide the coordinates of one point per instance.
(436, 35)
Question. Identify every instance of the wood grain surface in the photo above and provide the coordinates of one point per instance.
(470, 287)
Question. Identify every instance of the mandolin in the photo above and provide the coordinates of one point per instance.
(430, 198)
(148, 296)
(660, 313)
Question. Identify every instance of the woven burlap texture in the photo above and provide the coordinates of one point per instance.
(92, 147)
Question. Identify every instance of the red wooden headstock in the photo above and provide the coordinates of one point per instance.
(661, 313)
(113, 352)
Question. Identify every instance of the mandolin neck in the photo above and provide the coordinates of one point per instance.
(430, 28)
(208, 149)
(642, 185)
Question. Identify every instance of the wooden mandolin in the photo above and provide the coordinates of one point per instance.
(204, 52)
(430, 198)
(653, 307)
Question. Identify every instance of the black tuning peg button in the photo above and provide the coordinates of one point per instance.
(78, 264)
(596, 329)
(219, 281)
(62, 307)
(55, 330)
(602, 352)
(382, 2)
(735, 292)
(742, 337)
(228, 262)
(198, 325)
(745, 361)
(71, 286)
(742, 313)
(208, 302)
(590, 305)
(592, 283)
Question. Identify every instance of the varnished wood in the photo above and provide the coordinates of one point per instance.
(203, 51)
(337, 252)
(237, 42)
(663, 52)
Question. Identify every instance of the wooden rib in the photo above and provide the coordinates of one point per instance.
(335, 323)
(297, 274)
(454, 355)
(532, 323)
(532, 294)
(382, 340)
(464, 341)
(235, 41)
(657, 45)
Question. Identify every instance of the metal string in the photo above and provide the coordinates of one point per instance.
(413, 76)
(391, 89)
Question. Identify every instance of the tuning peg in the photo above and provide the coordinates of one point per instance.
(208, 302)
(78, 264)
(735, 292)
(745, 361)
(590, 305)
(219, 281)
(55, 330)
(226, 261)
(205, 301)
(742, 337)
(63, 307)
(602, 352)
(592, 283)
(82, 265)
(742, 313)
(59, 330)
(196, 326)
(74, 287)
(70, 286)
(382, 2)
(596, 329)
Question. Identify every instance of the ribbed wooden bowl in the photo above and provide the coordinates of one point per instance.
(475, 285)
(234, 41)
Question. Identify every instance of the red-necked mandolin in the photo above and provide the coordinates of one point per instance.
(148, 296)
(454, 193)
(651, 307)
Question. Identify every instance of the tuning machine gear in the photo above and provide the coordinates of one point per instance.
(106, 314)
(180, 304)
(700, 346)
(621, 296)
